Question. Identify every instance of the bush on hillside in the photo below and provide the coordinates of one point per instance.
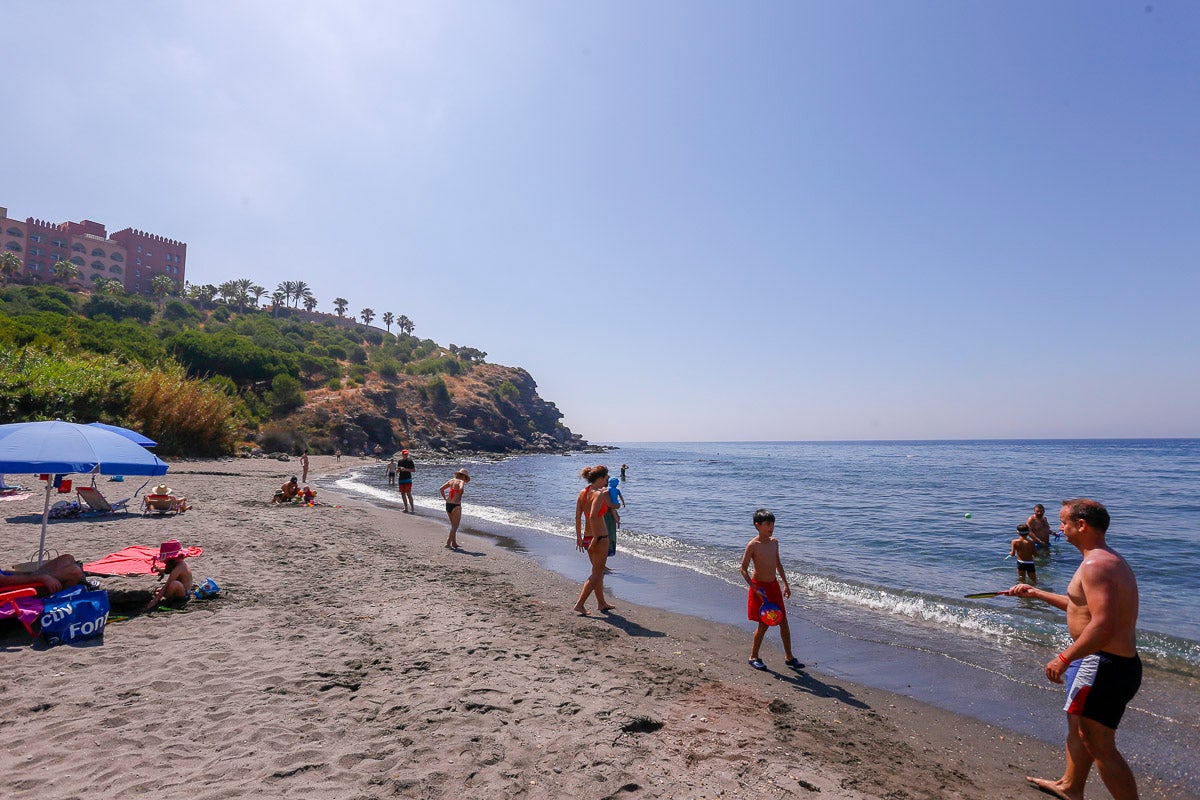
(118, 307)
(40, 384)
(181, 414)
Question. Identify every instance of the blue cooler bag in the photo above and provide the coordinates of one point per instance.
(74, 615)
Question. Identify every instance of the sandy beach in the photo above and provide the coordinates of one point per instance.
(351, 656)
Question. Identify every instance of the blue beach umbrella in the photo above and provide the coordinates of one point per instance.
(131, 435)
(61, 448)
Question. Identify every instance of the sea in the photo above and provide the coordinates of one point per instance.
(881, 541)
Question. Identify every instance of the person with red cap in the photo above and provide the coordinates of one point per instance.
(404, 474)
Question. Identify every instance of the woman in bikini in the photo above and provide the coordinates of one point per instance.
(591, 506)
(452, 493)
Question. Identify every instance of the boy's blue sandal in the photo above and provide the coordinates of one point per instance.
(757, 663)
(794, 663)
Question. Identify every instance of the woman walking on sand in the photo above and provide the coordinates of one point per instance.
(452, 493)
(592, 535)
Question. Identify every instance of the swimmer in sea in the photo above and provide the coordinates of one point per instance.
(1022, 550)
(1039, 528)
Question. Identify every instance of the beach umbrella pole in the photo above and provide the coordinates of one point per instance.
(45, 519)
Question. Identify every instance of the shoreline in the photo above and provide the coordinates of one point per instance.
(350, 655)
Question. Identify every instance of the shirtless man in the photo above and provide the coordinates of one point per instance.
(54, 575)
(1101, 668)
(1039, 528)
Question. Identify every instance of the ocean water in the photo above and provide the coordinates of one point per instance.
(883, 526)
(880, 550)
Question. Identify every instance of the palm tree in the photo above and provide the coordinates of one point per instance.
(228, 292)
(204, 294)
(10, 265)
(277, 299)
(65, 271)
(111, 286)
(301, 289)
(388, 318)
(341, 304)
(367, 315)
(288, 288)
(310, 302)
(161, 286)
(405, 324)
(257, 293)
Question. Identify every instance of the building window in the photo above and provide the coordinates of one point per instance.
(15, 232)
(78, 248)
(36, 237)
(16, 248)
(139, 248)
(36, 251)
(96, 251)
(77, 261)
(57, 256)
(34, 266)
(96, 277)
(58, 242)
(97, 265)
(114, 269)
(116, 257)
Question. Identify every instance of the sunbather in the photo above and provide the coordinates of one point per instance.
(55, 575)
(164, 499)
(171, 566)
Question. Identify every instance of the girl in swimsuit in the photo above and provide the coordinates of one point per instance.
(591, 506)
(452, 493)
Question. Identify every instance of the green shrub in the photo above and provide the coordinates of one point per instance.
(334, 384)
(285, 394)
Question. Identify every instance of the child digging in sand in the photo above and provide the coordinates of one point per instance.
(176, 576)
(763, 553)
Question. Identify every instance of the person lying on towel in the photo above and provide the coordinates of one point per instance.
(55, 575)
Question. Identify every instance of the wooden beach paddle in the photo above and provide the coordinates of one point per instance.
(978, 595)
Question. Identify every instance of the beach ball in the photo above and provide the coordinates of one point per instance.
(967, 515)
(770, 614)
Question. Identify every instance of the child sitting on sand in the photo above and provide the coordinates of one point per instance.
(177, 578)
(1023, 548)
(763, 553)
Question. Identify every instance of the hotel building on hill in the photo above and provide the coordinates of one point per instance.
(131, 256)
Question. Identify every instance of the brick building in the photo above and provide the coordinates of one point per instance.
(131, 256)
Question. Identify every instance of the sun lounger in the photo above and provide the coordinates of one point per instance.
(96, 502)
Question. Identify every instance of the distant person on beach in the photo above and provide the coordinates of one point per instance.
(591, 534)
(287, 492)
(1101, 669)
(391, 472)
(337, 455)
(763, 552)
(452, 493)
(174, 572)
(304, 466)
(1039, 528)
(623, 468)
(1022, 549)
(404, 478)
(54, 575)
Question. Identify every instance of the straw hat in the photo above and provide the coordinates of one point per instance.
(162, 488)
(462, 473)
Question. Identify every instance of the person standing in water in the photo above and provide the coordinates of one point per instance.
(404, 480)
(590, 508)
(1101, 667)
(1039, 528)
(452, 493)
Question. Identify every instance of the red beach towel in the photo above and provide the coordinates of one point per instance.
(135, 560)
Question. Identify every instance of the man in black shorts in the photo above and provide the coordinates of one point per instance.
(404, 472)
(1101, 668)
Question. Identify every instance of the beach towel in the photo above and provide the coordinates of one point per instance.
(137, 559)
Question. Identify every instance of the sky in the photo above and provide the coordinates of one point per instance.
(689, 221)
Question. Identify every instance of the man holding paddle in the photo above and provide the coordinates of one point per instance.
(1101, 668)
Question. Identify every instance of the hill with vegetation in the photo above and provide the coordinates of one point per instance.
(209, 375)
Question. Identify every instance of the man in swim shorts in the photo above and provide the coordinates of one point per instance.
(1101, 668)
(1039, 528)
(1022, 548)
(404, 474)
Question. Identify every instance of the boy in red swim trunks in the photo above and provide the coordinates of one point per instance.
(763, 553)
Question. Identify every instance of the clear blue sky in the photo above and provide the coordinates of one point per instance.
(687, 220)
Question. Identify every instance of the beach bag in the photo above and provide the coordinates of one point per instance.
(74, 615)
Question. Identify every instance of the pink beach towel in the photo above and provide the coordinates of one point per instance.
(135, 560)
